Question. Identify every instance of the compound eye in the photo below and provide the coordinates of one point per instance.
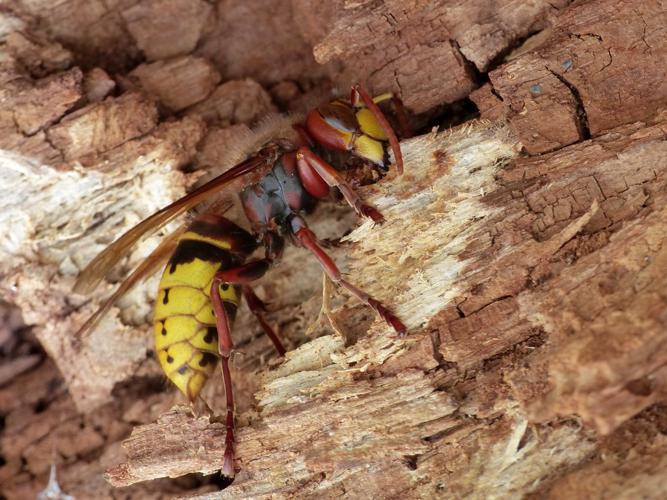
(339, 116)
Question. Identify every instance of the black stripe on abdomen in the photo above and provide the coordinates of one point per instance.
(220, 228)
(189, 250)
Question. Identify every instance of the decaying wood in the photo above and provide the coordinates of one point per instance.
(429, 52)
(511, 277)
(177, 83)
(533, 286)
(601, 66)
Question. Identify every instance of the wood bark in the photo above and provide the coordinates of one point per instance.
(525, 251)
(597, 67)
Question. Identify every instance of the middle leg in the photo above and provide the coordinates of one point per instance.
(308, 239)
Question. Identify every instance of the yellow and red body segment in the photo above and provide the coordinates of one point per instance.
(186, 338)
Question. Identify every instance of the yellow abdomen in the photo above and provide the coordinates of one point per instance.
(186, 338)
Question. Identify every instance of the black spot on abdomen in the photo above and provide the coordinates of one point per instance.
(211, 334)
(206, 359)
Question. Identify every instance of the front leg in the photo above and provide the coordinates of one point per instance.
(311, 165)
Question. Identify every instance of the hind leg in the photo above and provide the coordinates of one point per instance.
(240, 275)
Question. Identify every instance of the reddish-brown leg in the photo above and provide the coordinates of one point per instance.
(398, 109)
(358, 92)
(258, 308)
(307, 159)
(228, 464)
(309, 240)
(402, 117)
(241, 275)
(225, 346)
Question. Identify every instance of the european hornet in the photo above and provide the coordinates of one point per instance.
(208, 270)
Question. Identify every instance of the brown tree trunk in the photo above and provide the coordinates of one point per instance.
(525, 251)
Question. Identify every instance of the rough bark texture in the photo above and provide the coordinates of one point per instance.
(526, 252)
(532, 336)
(599, 66)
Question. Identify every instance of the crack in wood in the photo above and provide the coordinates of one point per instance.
(582, 118)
